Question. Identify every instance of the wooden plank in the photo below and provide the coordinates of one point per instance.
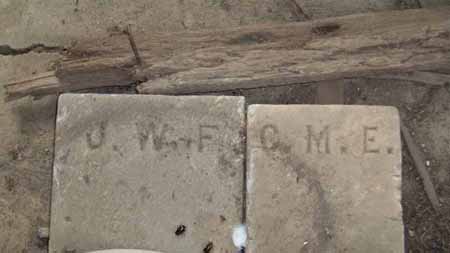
(374, 44)
(432, 78)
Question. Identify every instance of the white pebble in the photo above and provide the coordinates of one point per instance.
(240, 236)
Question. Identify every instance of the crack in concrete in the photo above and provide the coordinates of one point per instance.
(36, 47)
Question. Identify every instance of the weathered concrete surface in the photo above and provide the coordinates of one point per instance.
(324, 179)
(130, 169)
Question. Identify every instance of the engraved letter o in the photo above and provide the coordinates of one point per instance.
(269, 136)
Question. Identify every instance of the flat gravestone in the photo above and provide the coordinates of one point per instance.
(147, 172)
(324, 179)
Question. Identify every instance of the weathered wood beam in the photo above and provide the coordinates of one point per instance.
(385, 44)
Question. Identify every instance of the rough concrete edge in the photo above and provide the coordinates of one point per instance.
(252, 109)
(54, 181)
(396, 173)
(397, 170)
(75, 94)
(249, 171)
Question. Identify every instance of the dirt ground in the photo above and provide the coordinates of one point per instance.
(27, 126)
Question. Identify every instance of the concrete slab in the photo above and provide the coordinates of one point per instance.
(324, 179)
(147, 172)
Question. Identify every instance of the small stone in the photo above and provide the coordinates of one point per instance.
(43, 233)
(239, 236)
(208, 247)
(427, 163)
(411, 233)
(180, 230)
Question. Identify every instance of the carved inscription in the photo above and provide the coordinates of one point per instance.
(369, 139)
(318, 140)
(96, 137)
(151, 136)
(269, 137)
(206, 133)
(321, 140)
(157, 134)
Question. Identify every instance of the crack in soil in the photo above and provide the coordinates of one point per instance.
(37, 47)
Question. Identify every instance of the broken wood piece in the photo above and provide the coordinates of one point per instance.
(298, 11)
(428, 77)
(55, 82)
(133, 45)
(375, 44)
(36, 85)
(419, 163)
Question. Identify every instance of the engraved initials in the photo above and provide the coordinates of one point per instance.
(369, 139)
(96, 138)
(269, 137)
(203, 135)
(158, 137)
(323, 136)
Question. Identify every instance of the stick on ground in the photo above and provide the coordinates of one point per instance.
(419, 163)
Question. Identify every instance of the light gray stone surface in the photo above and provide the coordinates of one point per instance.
(324, 179)
(129, 169)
